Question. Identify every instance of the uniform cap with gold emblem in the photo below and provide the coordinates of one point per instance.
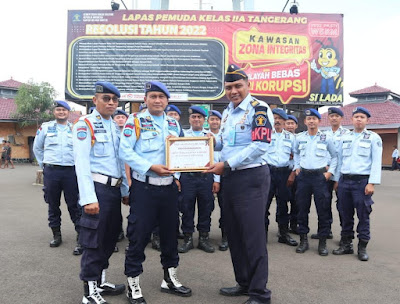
(105, 87)
(215, 113)
(234, 73)
(292, 117)
(312, 112)
(156, 86)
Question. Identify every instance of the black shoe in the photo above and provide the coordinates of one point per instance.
(234, 291)
(92, 293)
(155, 242)
(121, 236)
(316, 237)
(171, 284)
(322, 250)
(250, 301)
(284, 236)
(223, 246)
(57, 240)
(116, 249)
(181, 236)
(204, 243)
(134, 292)
(345, 246)
(187, 243)
(362, 250)
(78, 250)
(111, 289)
(303, 246)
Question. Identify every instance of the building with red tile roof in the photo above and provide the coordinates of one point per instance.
(384, 106)
(20, 137)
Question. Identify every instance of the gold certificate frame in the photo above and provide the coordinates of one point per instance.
(189, 154)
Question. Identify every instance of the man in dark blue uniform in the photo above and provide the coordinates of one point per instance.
(197, 187)
(102, 187)
(154, 192)
(54, 153)
(245, 133)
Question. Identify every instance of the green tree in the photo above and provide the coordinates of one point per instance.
(34, 102)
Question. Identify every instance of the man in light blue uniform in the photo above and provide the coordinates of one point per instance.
(54, 153)
(360, 165)
(214, 121)
(154, 192)
(291, 125)
(102, 187)
(395, 156)
(312, 151)
(278, 160)
(197, 187)
(336, 131)
(245, 134)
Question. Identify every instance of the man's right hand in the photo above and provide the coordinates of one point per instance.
(161, 170)
(92, 208)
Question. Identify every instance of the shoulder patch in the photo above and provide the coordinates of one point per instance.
(81, 132)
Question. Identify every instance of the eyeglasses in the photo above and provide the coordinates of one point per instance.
(107, 98)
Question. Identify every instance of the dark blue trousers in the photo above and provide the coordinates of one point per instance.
(56, 180)
(197, 187)
(279, 189)
(352, 197)
(307, 186)
(152, 206)
(221, 209)
(245, 199)
(99, 232)
(293, 204)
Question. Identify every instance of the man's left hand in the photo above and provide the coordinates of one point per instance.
(217, 168)
(369, 189)
(327, 175)
(216, 187)
(125, 200)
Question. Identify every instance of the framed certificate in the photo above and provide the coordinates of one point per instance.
(189, 154)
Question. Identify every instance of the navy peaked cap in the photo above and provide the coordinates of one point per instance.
(234, 73)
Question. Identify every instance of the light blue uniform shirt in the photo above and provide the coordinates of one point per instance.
(191, 133)
(234, 140)
(361, 153)
(336, 137)
(101, 158)
(395, 153)
(312, 152)
(280, 149)
(149, 149)
(53, 144)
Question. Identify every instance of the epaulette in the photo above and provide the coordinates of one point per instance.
(255, 103)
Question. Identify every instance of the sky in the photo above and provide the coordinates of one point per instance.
(34, 37)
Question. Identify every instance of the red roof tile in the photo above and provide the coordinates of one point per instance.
(11, 83)
(370, 90)
(382, 113)
(7, 107)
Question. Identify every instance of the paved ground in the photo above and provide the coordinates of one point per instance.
(32, 272)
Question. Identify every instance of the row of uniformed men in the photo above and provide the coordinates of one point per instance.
(245, 133)
(348, 162)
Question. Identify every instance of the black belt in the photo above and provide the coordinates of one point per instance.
(58, 166)
(355, 177)
(195, 174)
(273, 168)
(313, 171)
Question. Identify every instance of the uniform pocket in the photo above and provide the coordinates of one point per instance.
(364, 149)
(131, 226)
(368, 203)
(88, 236)
(149, 141)
(100, 148)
